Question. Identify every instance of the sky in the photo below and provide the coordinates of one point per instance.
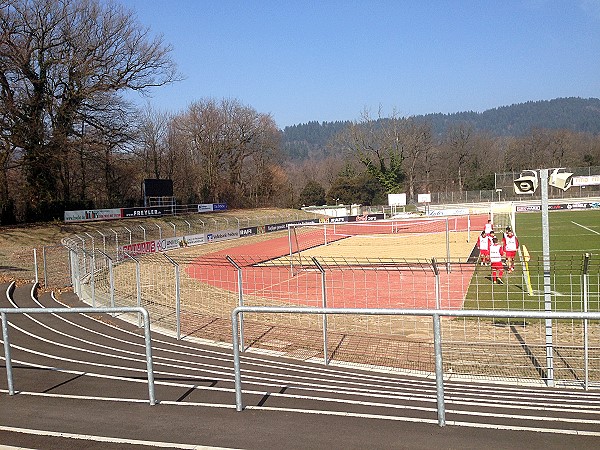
(335, 60)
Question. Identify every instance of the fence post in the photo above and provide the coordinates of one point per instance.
(240, 297)
(7, 360)
(138, 288)
(138, 284)
(130, 235)
(116, 241)
(324, 305)
(585, 299)
(469, 227)
(439, 369)
(103, 240)
(35, 265)
(93, 279)
(448, 270)
(45, 264)
(75, 277)
(239, 403)
(547, 284)
(436, 273)
(177, 296)
(83, 247)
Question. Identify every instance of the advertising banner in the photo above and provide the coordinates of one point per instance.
(590, 180)
(154, 211)
(195, 239)
(163, 245)
(222, 235)
(249, 231)
(205, 207)
(366, 218)
(559, 206)
(276, 227)
(140, 248)
(449, 212)
(88, 215)
(209, 207)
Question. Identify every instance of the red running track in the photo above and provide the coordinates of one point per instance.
(351, 286)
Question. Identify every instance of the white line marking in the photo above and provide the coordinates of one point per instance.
(88, 437)
(334, 413)
(584, 227)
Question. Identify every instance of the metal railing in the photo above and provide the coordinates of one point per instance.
(435, 315)
(142, 311)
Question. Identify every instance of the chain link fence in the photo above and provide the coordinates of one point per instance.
(192, 291)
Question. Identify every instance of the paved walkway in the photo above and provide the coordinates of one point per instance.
(81, 383)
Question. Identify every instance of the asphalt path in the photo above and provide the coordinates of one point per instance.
(81, 383)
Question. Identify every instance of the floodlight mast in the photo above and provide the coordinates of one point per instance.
(527, 183)
(547, 289)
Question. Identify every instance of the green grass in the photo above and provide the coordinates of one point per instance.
(572, 234)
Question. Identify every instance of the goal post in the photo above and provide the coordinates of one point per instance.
(303, 237)
(503, 215)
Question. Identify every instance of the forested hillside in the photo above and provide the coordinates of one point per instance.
(573, 114)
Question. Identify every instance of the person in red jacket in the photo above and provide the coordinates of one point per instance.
(511, 245)
(489, 227)
(483, 244)
(496, 255)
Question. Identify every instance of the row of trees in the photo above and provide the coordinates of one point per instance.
(371, 158)
(70, 140)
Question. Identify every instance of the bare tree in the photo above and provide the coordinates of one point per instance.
(63, 67)
(153, 144)
(224, 139)
(460, 147)
(379, 146)
(418, 144)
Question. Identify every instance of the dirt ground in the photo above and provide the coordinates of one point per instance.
(398, 246)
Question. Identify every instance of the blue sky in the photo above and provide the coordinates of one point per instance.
(329, 60)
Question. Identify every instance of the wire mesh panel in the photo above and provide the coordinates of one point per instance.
(153, 281)
(56, 266)
(17, 261)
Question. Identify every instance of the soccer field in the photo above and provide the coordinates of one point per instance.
(572, 234)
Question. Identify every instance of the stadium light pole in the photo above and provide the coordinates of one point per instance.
(547, 287)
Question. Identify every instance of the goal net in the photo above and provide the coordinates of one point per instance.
(502, 215)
